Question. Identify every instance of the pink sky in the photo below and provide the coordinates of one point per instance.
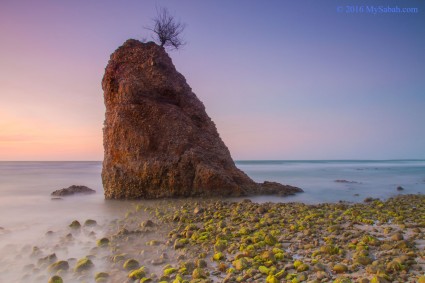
(299, 82)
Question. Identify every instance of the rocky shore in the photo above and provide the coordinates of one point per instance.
(199, 240)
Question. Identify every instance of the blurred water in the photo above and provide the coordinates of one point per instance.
(27, 211)
(368, 178)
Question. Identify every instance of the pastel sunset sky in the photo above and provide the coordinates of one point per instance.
(281, 79)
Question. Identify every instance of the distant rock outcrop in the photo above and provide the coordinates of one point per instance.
(158, 139)
(73, 190)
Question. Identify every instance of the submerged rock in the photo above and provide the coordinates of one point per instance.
(73, 190)
(158, 139)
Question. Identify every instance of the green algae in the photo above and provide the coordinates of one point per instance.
(83, 264)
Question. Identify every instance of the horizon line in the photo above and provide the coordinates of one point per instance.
(242, 160)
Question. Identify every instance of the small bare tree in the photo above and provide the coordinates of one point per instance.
(167, 30)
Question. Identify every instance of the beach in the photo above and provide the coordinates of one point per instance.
(261, 239)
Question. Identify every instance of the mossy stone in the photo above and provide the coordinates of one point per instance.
(240, 264)
(131, 264)
(220, 245)
(90, 223)
(104, 242)
(138, 273)
(169, 271)
(363, 260)
(59, 265)
(271, 279)
(379, 279)
(263, 269)
(270, 240)
(101, 275)
(303, 267)
(342, 280)
(180, 243)
(118, 258)
(199, 273)
(75, 224)
(218, 256)
(83, 264)
(340, 268)
(55, 279)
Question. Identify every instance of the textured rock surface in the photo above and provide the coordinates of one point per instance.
(73, 190)
(158, 139)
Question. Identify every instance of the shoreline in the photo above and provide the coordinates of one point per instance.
(201, 240)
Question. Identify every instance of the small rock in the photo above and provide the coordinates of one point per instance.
(83, 264)
(104, 242)
(75, 224)
(198, 210)
(59, 265)
(147, 223)
(73, 190)
(131, 264)
(55, 279)
(158, 261)
(90, 222)
(400, 188)
(48, 259)
(397, 236)
(101, 276)
(369, 199)
(340, 268)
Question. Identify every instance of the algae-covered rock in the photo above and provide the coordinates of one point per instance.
(131, 264)
(83, 264)
(138, 273)
(218, 256)
(342, 280)
(363, 260)
(104, 242)
(199, 273)
(303, 267)
(47, 259)
(147, 224)
(180, 243)
(59, 265)
(340, 268)
(379, 279)
(118, 258)
(263, 269)
(220, 245)
(101, 277)
(55, 279)
(90, 223)
(240, 264)
(397, 236)
(75, 224)
(169, 271)
(270, 240)
(271, 279)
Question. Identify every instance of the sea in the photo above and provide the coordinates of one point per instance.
(27, 210)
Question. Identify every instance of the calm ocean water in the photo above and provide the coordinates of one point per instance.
(27, 211)
(25, 187)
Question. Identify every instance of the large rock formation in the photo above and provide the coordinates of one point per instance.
(158, 139)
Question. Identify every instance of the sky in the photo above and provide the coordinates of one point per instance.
(281, 79)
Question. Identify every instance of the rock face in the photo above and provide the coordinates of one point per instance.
(73, 190)
(158, 139)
